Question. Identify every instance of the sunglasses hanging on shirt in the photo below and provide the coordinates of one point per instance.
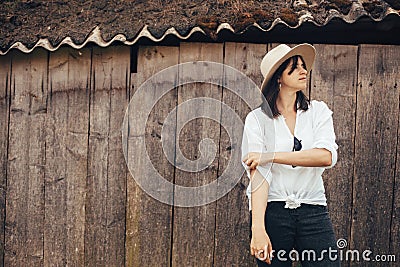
(296, 146)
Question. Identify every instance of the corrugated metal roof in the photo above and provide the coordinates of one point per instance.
(291, 14)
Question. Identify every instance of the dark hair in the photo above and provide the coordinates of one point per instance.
(271, 90)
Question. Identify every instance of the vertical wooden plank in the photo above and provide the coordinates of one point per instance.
(106, 186)
(76, 142)
(376, 132)
(334, 79)
(26, 160)
(232, 215)
(66, 156)
(55, 237)
(395, 222)
(193, 234)
(117, 168)
(149, 222)
(5, 79)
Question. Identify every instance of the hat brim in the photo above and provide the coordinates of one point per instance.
(306, 51)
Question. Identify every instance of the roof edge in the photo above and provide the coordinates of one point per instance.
(95, 35)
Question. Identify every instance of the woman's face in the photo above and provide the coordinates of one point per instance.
(294, 79)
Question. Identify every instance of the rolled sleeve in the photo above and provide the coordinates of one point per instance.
(253, 141)
(265, 172)
(324, 134)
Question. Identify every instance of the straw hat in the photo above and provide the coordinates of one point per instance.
(274, 58)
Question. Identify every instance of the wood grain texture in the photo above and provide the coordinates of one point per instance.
(26, 160)
(232, 213)
(376, 134)
(193, 236)
(106, 182)
(149, 222)
(395, 220)
(334, 79)
(66, 156)
(5, 82)
(66, 197)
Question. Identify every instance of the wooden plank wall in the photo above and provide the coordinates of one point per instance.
(194, 227)
(106, 179)
(149, 221)
(334, 79)
(376, 143)
(67, 197)
(66, 156)
(25, 220)
(232, 217)
(5, 79)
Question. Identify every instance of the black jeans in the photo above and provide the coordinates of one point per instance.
(304, 234)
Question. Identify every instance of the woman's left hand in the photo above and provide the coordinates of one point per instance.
(254, 159)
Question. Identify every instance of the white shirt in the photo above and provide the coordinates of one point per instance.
(314, 128)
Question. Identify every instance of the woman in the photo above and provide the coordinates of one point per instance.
(287, 143)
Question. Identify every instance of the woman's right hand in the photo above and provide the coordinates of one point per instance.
(254, 159)
(260, 245)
